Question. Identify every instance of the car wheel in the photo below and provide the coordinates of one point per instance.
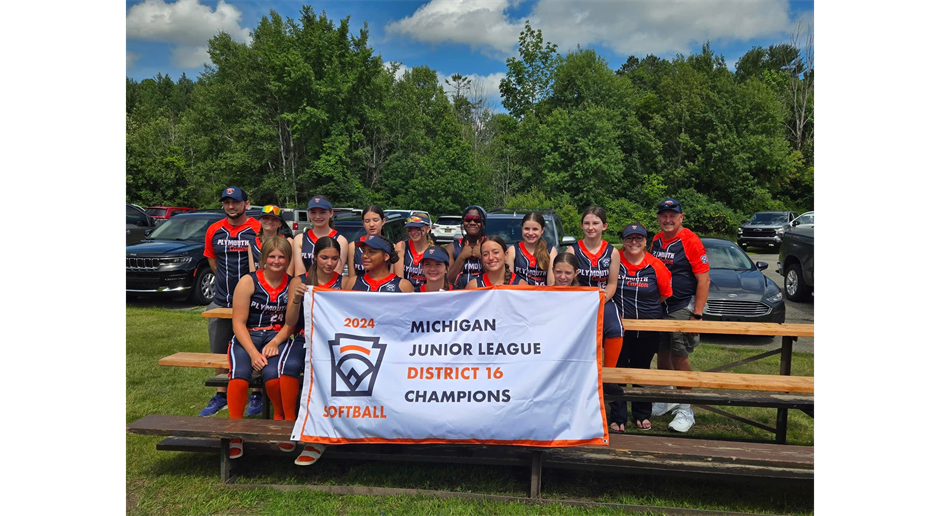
(794, 286)
(204, 287)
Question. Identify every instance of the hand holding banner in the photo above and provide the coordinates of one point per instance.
(503, 365)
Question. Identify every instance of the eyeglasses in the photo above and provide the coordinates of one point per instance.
(273, 210)
(472, 218)
(634, 239)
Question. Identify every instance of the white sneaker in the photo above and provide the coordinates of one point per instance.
(661, 409)
(683, 421)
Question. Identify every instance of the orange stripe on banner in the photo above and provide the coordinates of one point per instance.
(508, 442)
(600, 363)
(354, 348)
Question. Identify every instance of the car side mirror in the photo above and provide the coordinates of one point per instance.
(147, 233)
(796, 223)
(762, 265)
(568, 240)
(141, 223)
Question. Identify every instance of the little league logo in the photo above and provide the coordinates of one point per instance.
(229, 190)
(355, 361)
(605, 262)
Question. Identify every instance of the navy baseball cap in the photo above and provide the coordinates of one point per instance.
(669, 204)
(417, 221)
(375, 242)
(271, 210)
(437, 254)
(320, 202)
(633, 229)
(234, 192)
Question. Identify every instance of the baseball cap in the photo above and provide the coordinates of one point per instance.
(271, 210)
(235, 193)
(375, 242)
(320, 202)
(669, 204)
(417, 221)
(437, 254)
(633, 229)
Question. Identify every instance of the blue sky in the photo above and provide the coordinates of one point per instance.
(471, 37)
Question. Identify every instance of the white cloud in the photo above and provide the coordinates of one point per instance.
(185, 23)
(131, 59)
(401, 69)
(480, 85)
(627, 27)
(479, 23)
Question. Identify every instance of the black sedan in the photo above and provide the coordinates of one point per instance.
(170, 261)
(739, 291)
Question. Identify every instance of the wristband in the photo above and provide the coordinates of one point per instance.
(697, 317)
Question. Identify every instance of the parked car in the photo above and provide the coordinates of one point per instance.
(446, 228)
(162, 213)
(739, 291)
(806, 220)
(507, 223)
(350, 226)
(139, 224)
(404, 214)
(764, 228)
(171, 262)
(795, 263)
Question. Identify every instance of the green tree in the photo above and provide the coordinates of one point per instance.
(529, 78)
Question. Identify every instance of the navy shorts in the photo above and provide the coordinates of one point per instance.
(291, 357)
(613, 325)
(239, 362)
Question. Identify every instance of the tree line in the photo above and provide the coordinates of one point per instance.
(308, 108)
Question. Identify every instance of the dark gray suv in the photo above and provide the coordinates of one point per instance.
(764, 228)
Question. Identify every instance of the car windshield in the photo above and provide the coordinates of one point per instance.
(183, 228)
(510, 230)
(350, 231)
(156, 212)
(806, 218)
(448, 221)
(768, 218)
(728, 257)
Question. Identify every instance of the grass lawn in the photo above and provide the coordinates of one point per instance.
(188, 483)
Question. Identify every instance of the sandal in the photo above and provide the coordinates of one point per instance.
(286, 447)
(235, 449)
(644, 425)
(618, 428)
(311, 454)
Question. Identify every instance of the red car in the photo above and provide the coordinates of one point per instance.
(162, 213)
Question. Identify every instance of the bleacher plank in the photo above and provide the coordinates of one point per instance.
(721, 327)
(723, 380)
(218, 313)
(206, 360)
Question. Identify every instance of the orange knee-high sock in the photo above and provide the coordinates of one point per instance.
(273, 388)
(612, 351)
(290, 391)
(237, 398)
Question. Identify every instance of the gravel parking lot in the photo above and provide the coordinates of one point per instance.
(796, 313)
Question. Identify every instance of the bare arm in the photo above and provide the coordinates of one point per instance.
(297, 290)
(406, 285)
(343, 249)
(298, 261)
(550, 280)
(350, 260)
(701, 292)
(611, 288)
(241, 300)
(212, 264)
(399, 267)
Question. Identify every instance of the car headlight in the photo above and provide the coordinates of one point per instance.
(776, 297)
(177, 262)
(740, 231)
(780, 231)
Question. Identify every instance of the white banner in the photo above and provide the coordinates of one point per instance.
(501, 365)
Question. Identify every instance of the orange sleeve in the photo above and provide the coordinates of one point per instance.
(663, 276)
(695, 252)
(209, 251)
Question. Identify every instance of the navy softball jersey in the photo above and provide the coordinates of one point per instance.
(593, 269)
(229, 246)
(412, 266)
(640, 286)
(471, 266)
(390, 283)
(685, 257)
(357, 258)
(306, 249)
(527, 266)
(268, 304)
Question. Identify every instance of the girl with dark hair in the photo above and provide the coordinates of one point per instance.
(643, 283)
(320, 212)
(322, 273)
(413, 249)
(565, 270)
(271, 223)
(532, 257)
(597, 262)
(378, 257)
(497, 269)
(373, 220)
(259, 306)
(465, 252)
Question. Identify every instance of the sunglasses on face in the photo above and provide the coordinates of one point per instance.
(472, 218)
(634, 239)
(273, 210)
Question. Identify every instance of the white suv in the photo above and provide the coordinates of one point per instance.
(446, 228)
